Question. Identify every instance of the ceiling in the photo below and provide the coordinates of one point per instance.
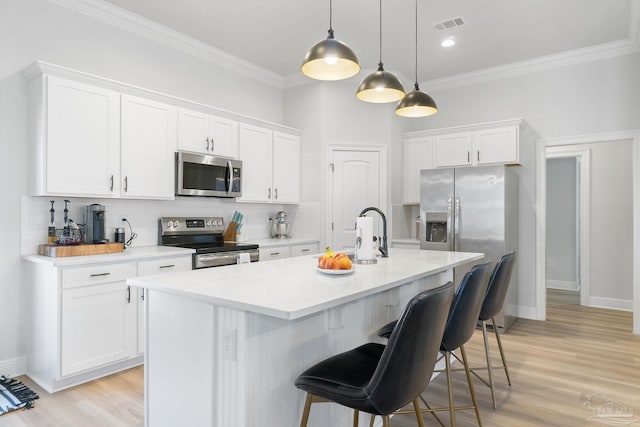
(276, 34)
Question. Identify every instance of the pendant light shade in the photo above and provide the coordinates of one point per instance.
(381, 86)
(416, 103)
(330, 59)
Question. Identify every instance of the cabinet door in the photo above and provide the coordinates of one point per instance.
(496, 145)
(255, 151)
(286, 168)
(193, 129)
(147, 268)
(453, 149)
(275, 252)
(81, 155)
(223, 137)
(98, 326)
(148, 144)
(418, 155)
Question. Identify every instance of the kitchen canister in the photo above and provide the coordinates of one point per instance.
(119, 235)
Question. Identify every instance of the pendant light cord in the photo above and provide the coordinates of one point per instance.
(416, 64)
(380, 35)
(331, 17)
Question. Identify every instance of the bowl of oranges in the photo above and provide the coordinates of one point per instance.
(334, 263)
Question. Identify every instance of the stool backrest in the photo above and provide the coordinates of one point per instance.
(406, 365)
(498, 285)
(465, 308)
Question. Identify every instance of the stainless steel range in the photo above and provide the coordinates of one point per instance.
(205, 235)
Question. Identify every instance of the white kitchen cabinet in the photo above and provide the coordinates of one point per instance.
(83, 320)
(154, 267)
(148, 143)
(73, 138)
(270, 165)
(418, 155)
(286, 168)
(275, 252)
(204, 133)
(478, 147)
(304, 249)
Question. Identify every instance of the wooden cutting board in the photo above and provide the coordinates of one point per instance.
(81, 249)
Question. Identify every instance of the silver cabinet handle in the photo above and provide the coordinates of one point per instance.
(126, 184)
(167, 266)
(449, 224)
(456, 226)
(111, 183)
(142, 294)
(276, 194)
(212, 144)
(274, 253)
(128, 294)
(269, 196)
(468, 157)
(305, 250)
(99, 274)
(207, 144)
(478, 157)
(229, 177)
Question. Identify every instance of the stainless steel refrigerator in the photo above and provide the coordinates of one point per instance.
(472, 209)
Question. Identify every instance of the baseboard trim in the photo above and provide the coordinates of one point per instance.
(611, 303)
(13, 367)
(563, 284)
(525, 312)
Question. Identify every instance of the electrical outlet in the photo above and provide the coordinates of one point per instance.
(229, 344)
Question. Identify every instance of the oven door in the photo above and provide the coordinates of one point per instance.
(204, 175)
(219, 259)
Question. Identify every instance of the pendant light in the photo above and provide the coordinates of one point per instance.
(330, 59)
(416, 103)
(381, 86)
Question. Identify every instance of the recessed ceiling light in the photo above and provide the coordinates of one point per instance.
(448, 42)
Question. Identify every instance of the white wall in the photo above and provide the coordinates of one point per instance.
(561, 248)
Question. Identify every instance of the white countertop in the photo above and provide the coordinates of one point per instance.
(269, 242)
(292, 288)
(129, 254)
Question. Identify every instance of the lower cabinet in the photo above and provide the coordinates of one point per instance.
(85, 322)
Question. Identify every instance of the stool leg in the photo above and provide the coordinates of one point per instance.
(305, 412)
(504, 359)
(452, 411)
(385, 421)
(416, 407)
(487, 353)
(373, 417)
(471, 389)
(356, 415)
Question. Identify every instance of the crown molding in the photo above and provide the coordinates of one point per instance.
(120, 18)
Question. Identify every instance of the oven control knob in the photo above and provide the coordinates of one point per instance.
(209, 223)
(169, 224)
(219, 223)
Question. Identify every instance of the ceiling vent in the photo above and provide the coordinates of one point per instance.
(448, 24)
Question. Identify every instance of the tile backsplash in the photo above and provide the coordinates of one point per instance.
(143, 215)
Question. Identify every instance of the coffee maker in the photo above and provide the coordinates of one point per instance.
(94, 219)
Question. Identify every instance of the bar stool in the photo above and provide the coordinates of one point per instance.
(461, 323)
(492, 305)
(379, 379)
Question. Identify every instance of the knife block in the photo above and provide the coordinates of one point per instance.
(230, 232)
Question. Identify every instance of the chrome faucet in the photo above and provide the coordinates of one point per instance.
(383, 245)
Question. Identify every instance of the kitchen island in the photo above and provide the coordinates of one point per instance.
(224, 345)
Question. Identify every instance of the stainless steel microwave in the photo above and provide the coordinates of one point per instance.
(205, 175)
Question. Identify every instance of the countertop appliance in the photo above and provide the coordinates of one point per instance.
(205, 235)
(472, 209)
(205, 175)
(94, 222)
(279, 226)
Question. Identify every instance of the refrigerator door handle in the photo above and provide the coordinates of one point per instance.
(456, 225)
(450, 224)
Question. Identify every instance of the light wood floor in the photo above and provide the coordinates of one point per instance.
(555, 365)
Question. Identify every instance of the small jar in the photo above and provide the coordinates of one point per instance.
(119, 235)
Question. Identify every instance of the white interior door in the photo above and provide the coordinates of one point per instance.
(356, 183)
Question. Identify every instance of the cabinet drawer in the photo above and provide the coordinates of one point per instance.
(307, 249)
(164, 265)
(275, 252)
(104, 273)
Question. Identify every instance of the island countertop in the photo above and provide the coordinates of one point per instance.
(292, 288)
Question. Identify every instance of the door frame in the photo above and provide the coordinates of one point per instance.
(541, 203)
(382, 183)
(583, 156)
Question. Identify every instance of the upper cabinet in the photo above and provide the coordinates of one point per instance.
(479, 147)
(75, 138)
(418, 155)
(270, 165)
(203, 133)
(148, 144)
